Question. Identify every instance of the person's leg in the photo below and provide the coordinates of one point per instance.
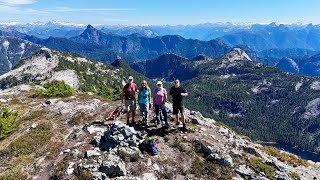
(133, 103)
(145, 112)
(176, 113)
(126, 106)
(181, 109)
(142, 112)
(165, 116)
(157, 110)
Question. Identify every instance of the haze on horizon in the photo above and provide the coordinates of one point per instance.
(139, 12)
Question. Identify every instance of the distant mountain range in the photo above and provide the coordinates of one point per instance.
(12, 50)
(144, 48)
(262, 102)
(257, 36)
(45, 30)
(106, 47)
(308, 65)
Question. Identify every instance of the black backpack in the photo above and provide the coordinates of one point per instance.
(153, 148)
(149, 146)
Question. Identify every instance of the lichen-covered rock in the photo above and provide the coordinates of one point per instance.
(112, 166)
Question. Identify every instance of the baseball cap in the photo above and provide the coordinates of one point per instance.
(130, 77)
(159, 82)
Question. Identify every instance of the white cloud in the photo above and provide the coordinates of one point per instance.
(16, 10)
(16, 2)
(68, 9)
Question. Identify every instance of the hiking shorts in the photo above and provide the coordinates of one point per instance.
(130, 105)
(177, 108)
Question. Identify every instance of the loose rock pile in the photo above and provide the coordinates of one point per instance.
(120, 135)
(118, 138)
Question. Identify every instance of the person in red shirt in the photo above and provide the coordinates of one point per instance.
(128, 94)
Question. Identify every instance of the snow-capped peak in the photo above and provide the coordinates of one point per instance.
(63, 23)
(9, 23)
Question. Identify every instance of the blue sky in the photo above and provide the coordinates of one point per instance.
(133, 12)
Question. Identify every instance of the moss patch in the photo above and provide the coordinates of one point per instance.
(84, 174)
(13, 174)
(33, 115)
(294, 175)
(32, 141)
(258, 166)
(15, 101)
(285, 157)
(129, 157)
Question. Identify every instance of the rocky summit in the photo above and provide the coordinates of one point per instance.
(53, 128)
(67, 138)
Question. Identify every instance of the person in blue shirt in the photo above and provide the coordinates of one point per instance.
(144, 98)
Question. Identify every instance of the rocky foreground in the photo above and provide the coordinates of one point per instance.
(61, 139)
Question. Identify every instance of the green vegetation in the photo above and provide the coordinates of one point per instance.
(110, 93)
(219, 123)
(294, 175)
(258, 166)
(275, 112)
(84, 174)
(179, 145)
(15, 101)
(55, 88)
(139, 169)
(8, 121)
(196, 167)
(13, 174)
(32, 141)
(285, 157)
(33, 115)
(60, 168)
(129, 157)
(167, 173)
(100, 81)
(210, 169)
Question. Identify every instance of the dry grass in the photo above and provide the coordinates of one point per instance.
(13, 174)
(34, 115)
(285, 157)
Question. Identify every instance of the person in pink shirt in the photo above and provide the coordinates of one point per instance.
(159, 101)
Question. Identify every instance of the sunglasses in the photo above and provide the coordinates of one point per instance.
(159, 84)
(143, 83)
(176, 82)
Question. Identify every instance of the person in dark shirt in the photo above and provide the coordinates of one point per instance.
(178, 93)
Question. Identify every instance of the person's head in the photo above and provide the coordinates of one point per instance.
(144, 85)
(176, 82)
(130, 79)
(159, 84)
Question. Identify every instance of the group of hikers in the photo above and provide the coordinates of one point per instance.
(159, 98)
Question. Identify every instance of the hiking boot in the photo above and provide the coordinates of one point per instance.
(184, 128)
(153, 121)
(178, 123)
(167, 126)
(133, 122)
